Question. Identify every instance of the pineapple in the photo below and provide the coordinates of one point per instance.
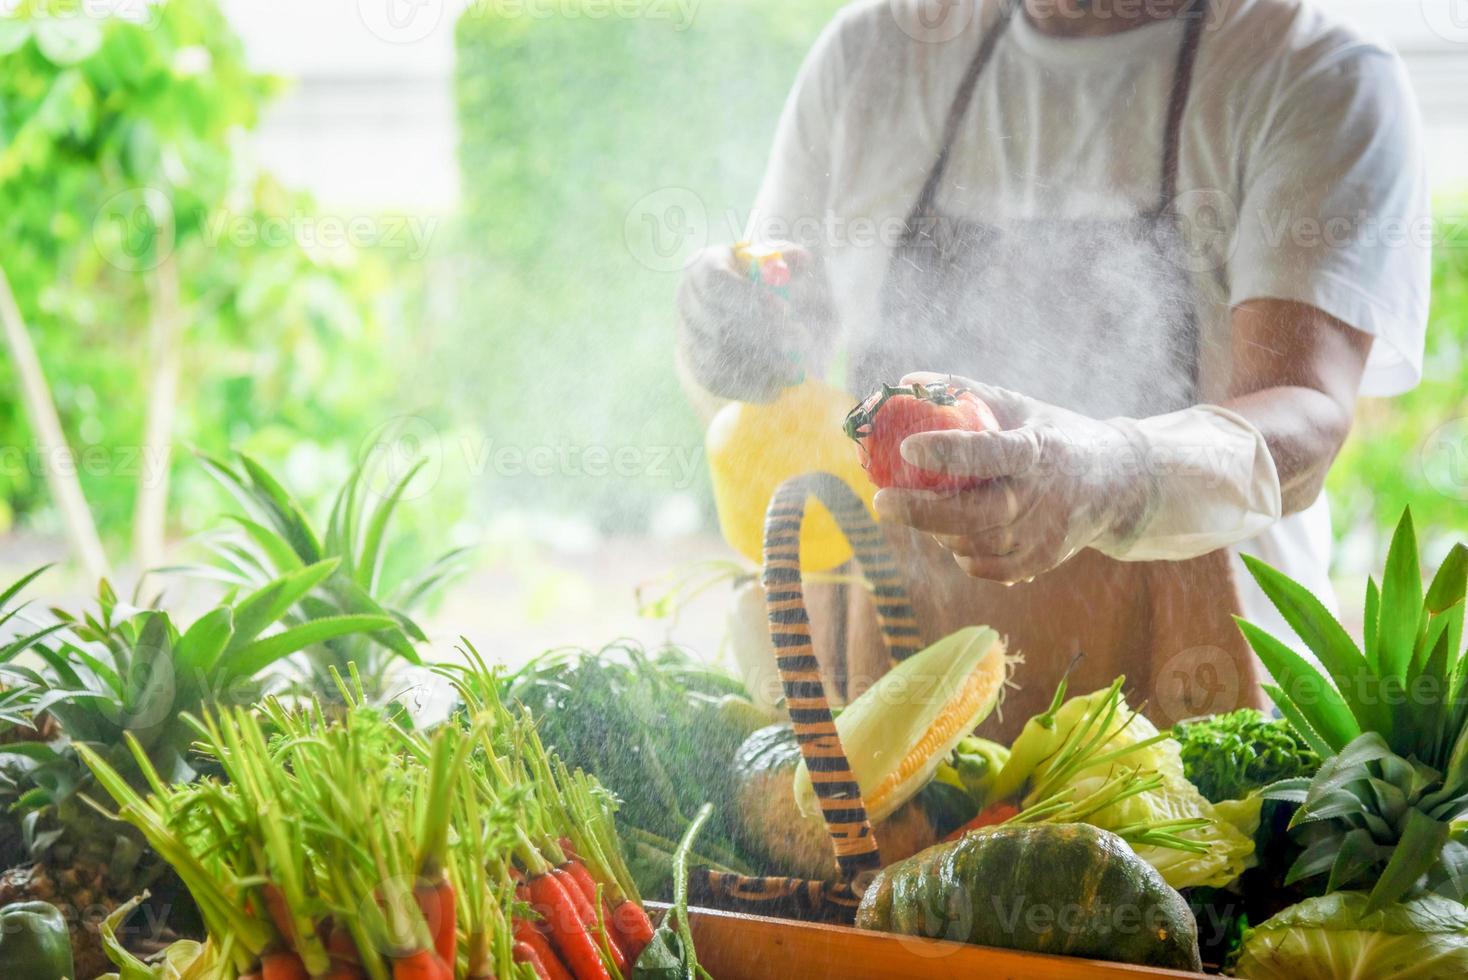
(126, 671)
(275, 538)
(1391, 722)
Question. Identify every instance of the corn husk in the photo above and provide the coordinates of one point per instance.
(898, 731)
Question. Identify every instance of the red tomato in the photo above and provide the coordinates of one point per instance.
(879, 424)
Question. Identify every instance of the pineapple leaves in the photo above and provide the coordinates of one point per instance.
(205, 642)
(1357, 855)
(1371, 620)
(1297, 721)
(1450, 877)
(1400, 611)
(1323, 634)
(277, 540)
(284, 512)
(19, 584)
(267, 604)
(276, 549)
(369, 560)
(248, 660)
(1418, 850)
(1449, 586)
(1310, 694)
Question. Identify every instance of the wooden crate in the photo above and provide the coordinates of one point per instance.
(747, 947)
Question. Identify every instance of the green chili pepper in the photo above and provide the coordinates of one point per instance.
(34, 942)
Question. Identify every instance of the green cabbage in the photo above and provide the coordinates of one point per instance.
(1228, 837)
(1329, 938)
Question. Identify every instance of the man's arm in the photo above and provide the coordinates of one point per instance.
(1296, 374)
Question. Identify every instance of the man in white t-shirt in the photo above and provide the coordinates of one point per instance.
(1170, 241)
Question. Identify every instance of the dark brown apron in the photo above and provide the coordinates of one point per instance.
(1099, 316)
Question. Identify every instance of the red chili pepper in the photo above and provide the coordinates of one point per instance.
(995, 813)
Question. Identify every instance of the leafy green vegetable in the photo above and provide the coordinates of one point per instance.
(1092, 759)
(1231, 755)
(659, 730)
(1335, 937)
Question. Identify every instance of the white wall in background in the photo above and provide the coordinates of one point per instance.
(370, 120)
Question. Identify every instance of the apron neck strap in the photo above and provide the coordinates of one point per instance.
(959, 108)
(1193, 15)
(1182, 81)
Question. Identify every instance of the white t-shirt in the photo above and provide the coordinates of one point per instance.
(1300, 176)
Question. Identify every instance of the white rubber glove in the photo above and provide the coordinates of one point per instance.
(743, 341)
(1169, 487)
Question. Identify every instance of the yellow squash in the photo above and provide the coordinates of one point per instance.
(752, 449)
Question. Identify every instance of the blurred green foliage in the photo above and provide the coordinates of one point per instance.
(1413, 449)
(119, 147)
(577, 131)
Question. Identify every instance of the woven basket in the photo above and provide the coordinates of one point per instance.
(857, 857)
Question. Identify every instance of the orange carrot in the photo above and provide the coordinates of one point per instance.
(344, 971)
(525, 932)
(437, 902)
(421, 965)
(341, 947)
(524, 954)
(632, 926)
(577, 872)
(993, 814)
(578, 950)
(583, 878)
(586, 912)
(280, 914)
(282, 965)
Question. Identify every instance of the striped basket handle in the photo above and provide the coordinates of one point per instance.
(836, 788)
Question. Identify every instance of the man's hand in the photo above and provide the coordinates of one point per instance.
(1057, 482)
(741, 340)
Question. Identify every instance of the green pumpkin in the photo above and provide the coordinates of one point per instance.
(770, 824)
(1066, 889)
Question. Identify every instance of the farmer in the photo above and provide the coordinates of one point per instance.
(1170, 243)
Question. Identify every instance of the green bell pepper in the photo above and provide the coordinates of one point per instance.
(34, 942)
